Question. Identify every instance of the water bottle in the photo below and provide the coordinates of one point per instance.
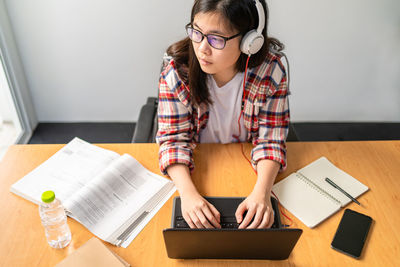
(54, 220)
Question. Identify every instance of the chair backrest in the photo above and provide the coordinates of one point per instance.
(155, 123)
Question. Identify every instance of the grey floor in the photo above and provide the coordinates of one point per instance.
(61, 133)
(347, 131)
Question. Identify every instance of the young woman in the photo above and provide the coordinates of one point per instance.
(205, 96)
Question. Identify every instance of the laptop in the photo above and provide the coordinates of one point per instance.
(229, 242)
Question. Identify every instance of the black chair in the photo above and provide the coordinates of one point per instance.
(147, 125)
(292, 136)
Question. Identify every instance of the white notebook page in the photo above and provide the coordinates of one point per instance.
(312, 199)
(303, 201)
(318, 170)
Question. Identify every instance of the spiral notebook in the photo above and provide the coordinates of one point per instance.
(310, 198)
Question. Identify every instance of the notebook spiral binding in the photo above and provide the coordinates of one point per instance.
(316, 187)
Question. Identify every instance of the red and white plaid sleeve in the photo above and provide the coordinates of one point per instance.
(174, 134)
(273, 118)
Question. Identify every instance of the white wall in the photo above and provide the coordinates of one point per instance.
(98, 60)
(345, 58)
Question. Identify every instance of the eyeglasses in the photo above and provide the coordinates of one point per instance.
(216, 41)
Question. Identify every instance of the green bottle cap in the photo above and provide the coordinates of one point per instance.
(48, 196)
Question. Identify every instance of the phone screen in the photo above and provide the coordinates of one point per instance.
(351, 233)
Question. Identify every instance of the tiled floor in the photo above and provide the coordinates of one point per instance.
(8, 136)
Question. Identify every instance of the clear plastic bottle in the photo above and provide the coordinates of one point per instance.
(54, 220)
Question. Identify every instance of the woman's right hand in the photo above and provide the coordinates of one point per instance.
(198, 212)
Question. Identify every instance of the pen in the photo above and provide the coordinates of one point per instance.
(341, 190)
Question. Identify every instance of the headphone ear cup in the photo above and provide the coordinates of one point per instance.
(252, 42)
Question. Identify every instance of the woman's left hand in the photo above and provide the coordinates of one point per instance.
(259, 207)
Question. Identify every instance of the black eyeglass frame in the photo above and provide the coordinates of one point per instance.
(189, 25)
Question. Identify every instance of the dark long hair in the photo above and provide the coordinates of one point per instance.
(242, 16)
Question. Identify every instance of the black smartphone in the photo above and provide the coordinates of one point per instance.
(351, 233)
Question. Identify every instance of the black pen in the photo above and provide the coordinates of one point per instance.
(341, 190)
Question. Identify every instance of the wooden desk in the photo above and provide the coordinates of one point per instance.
(220, 171)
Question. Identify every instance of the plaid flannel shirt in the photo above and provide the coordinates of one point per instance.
(266, 115)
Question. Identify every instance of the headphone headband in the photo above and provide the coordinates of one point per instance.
(261, 16)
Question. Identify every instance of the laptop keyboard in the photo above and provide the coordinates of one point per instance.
(226, 222)
(228, 206)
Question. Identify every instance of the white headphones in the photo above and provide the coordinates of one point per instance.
(253, 40)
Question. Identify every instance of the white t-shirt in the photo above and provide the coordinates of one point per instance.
(224, 112)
